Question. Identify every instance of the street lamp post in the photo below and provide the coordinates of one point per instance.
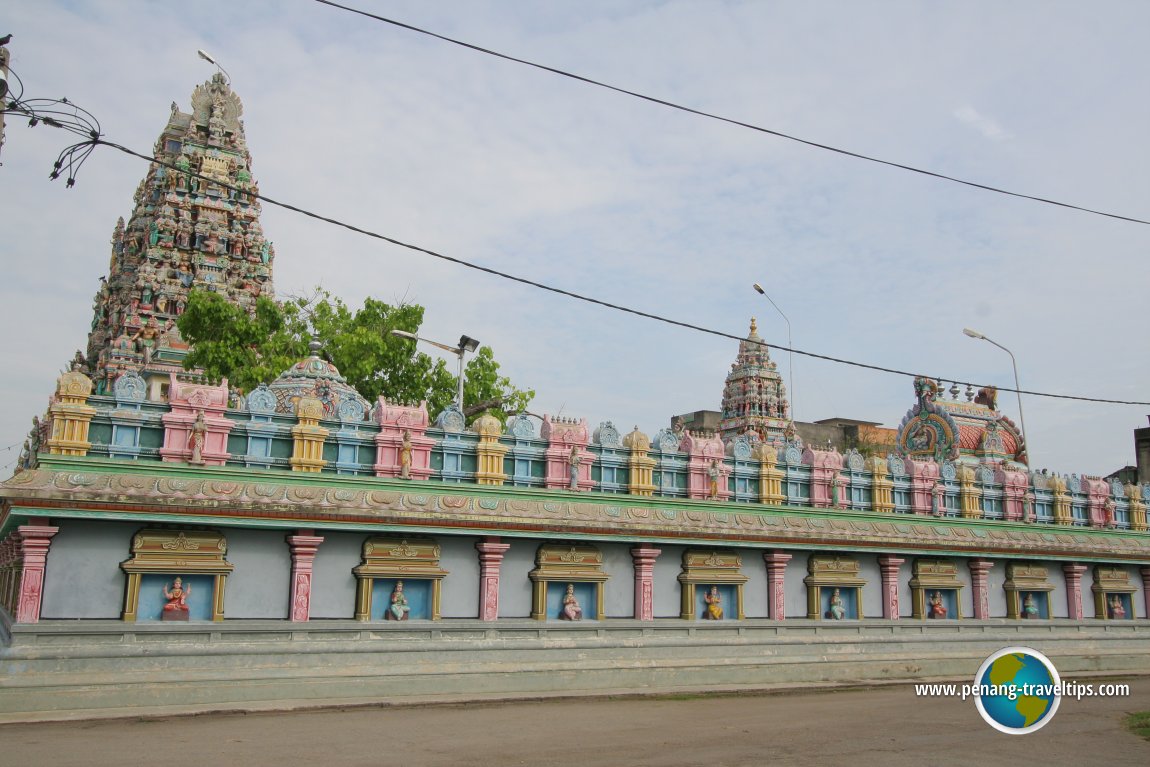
(790, 346)
(206, 57)
(466, 344)
(1017, 386)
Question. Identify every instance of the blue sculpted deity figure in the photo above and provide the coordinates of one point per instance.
(398, 609)
(838, 609)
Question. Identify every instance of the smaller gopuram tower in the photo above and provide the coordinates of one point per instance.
(195, 225)
(754, 398)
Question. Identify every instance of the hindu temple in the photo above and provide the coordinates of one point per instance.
(195, 226)
(754, 398)
(162, 537)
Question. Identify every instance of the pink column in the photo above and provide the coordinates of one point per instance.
(1145, 591)
(7, 564)
(186, 401)
(702, 450)
(303, 548)
(923, 477)
(12, 575)
(491, 553)
(825, 467)
(395, 419)
(888, 565)
(35, 540)
(776, 566)
(7, 560)
(643, 558)
(1014, 485)
(1073, 573)
(979, 572)
(1097, 493)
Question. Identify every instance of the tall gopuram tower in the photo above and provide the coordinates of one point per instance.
(195, 226)
(754, 398)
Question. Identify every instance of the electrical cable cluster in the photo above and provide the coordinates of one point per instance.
(59, 113)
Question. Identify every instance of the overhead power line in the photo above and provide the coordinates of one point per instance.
(729, 120)
(578, 296)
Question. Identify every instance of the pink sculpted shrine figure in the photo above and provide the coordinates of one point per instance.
(714, 474)
(197, 438)
(937, 608)
(571, 611)
(405, 455)
(177, 596)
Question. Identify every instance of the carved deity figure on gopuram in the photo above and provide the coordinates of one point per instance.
(754, 398)
(195, 225)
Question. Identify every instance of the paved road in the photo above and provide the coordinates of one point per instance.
(888, 726)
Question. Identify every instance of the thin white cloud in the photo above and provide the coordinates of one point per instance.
(985, 125)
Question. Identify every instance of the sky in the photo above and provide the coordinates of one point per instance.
(633, 203)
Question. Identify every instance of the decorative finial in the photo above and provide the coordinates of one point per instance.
(754, 326)
(316, 346)
(969, 393)
(954, 390)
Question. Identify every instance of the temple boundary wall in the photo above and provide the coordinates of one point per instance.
(58, 670)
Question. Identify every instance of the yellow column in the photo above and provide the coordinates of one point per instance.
(489, 452)
(308, 436)
(71, 415)
(882, 488)
(969, 492)
(1137, 507)
(770, 476)
(1062, 515)
(640, 465)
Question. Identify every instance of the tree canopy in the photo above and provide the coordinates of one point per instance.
(250, 349)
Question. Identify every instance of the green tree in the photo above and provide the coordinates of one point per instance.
(485, 390)
(250, 349)
(229, 343)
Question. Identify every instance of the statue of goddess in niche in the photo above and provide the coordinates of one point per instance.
(574, 460)
(571, 611)
(405, 456)
(713, 473)
(197, 438)
(177, 597)
(1115, 608)
(714, 600)
(937, 608)
(398, 608)
(1029, 606)
(838, 609)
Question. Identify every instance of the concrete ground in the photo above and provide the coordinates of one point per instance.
(887, 726)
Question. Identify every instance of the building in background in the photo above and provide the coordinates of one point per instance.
(1142, 453)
